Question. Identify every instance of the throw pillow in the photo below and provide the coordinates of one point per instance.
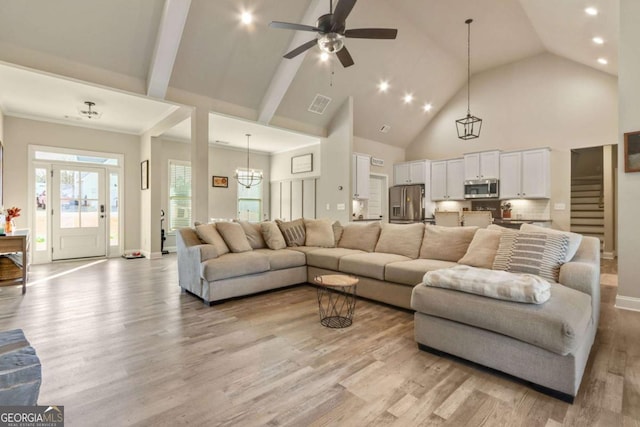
(254, 234)
(541, 254)
(401, 239)
(574, 238)
(272, 235)
(208, 233)
(234, 236)
(337, 232)
(362, 236)
(319, 232)
(482, 249)
(446, 243)
(293, 231)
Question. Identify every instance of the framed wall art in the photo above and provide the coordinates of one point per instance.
(220, 181)
(144, 175)
(632, 151)
(301, 164)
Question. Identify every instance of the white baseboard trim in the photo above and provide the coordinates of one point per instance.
(608, 255)
(155, 255)
(628, 303)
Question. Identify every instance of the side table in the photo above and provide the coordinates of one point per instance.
(18, 241)
(336, 299)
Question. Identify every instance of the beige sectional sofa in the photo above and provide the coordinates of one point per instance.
(547, 344)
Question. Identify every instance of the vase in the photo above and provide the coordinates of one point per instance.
(8, 226)
(506, 214)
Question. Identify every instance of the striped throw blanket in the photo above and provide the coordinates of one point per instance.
(501, 285)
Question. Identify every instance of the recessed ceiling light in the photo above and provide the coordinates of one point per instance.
(591, 11)
(324, 57)
(246, 18)
(598, 40)
(427, 107)
(603, 61)
(408, 98)
(383, 86)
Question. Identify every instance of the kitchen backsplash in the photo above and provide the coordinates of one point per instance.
(520, 208)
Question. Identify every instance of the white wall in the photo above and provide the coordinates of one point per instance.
(20, 133)
(281, 164)
(389, 153)
(542, 101)
(628, 183)
(336, 168)
(1, 126)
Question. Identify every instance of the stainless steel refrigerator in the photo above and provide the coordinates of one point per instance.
(406, 203)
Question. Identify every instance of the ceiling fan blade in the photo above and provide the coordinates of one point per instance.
(345, 57)
(372, 33)
(297, 51)
(343, 9)
(290, 26)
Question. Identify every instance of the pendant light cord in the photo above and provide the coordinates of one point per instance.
(468, 22)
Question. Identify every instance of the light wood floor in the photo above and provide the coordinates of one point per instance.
(120, 345)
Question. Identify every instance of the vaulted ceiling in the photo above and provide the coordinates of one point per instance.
(112, 43)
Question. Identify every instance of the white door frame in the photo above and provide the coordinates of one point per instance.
(385, 194)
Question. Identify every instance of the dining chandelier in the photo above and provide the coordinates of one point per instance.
(248, 177)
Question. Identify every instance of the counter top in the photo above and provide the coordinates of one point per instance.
(366, 219)
(520, 220)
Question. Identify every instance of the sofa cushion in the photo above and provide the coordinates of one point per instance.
(446, 243)
(283, 258)
(558, 325)
(369, 264)
(401, 239)
(574, 238)
(234, 265)
(293, 231)
(328, 258)
(209, 234)
(360, 236)
(253, 231)
(272, 235)
(234, 236)
(411, 272)
(482, 249)
(319, 232)
(541, 254)
(337, 232)
(304, 249)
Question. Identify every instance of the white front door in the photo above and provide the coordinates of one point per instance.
(78, 212)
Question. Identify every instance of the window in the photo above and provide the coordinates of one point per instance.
(249, 201)
(179, 194)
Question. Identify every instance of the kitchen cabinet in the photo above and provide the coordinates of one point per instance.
(416, 172)
(360, 170)
(483, 165)
(447, 180)
(525, 174)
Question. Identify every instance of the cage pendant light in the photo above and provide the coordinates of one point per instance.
(248, 177)
(469, 126)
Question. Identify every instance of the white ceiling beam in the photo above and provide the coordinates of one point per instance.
(174, 18)
(288, 68)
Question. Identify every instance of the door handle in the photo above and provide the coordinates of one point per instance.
(101, 211)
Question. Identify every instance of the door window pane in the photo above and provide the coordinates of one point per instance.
(40, 234)
(114, 228)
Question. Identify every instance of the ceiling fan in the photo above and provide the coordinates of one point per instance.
(331, 29)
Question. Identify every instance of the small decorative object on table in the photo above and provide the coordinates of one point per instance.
(506, 210)
(336, 299)
(11, 213)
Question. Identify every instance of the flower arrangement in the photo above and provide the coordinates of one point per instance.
(506, 207)
(12, 212)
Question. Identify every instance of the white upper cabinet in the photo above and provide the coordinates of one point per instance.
(447, 180)
(482, 165)
(361, 169)
(416, 172)
(525, 174)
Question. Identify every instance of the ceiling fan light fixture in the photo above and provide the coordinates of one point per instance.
(331, 42)
(469, 126)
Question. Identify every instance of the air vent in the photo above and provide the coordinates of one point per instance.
(319, 104)
(385, 128)
(219, 142)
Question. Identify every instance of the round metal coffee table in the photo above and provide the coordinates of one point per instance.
(336, 299)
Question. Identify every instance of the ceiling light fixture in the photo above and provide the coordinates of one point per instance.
(591, 11)
(598, 40)
(324, 57)
(90, 113)
(246, 18)
(331, 42)
(469, 127)
(427, 107)
(383, 86)
(603, 61)
(248, 177)
(408, 98)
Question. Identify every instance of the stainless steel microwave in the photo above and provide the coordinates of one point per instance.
(481, 189)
